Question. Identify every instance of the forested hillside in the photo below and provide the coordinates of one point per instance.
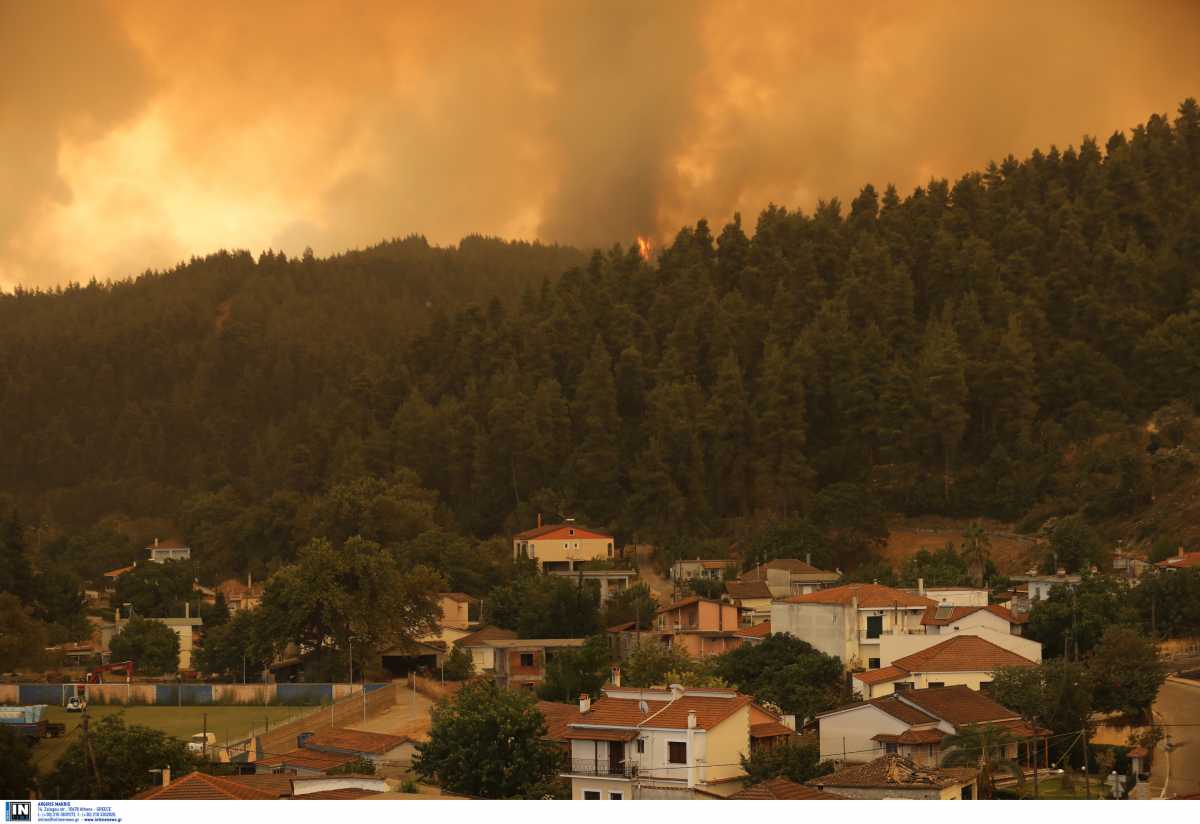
(989, 346)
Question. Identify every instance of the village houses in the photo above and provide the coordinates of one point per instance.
(562, 547)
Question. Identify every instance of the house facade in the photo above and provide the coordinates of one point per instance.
(522, 662)
(966, 660)
(709, 570)
(558, 547)
(655, 743)
(610, 582)
(161, 552)
(913, 724)
(477, 643)
(185, 628)
(850, 621)
(1039, 586)
(790, 576)
(700, 626)
(753, 598)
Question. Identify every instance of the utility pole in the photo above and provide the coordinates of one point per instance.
(1087, 784)
(204, 746)
(87, 745)
(351, 659)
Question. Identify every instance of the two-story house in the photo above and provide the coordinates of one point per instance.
(790, 576)
(849, 621)
(664, 743)
(564, 546)
(947, 620)
(1039, 586)
(521, 662)
(914, 723)
(700, 626)
(893, 776)
(753, 598)
(710, 570)
(161, 552)
(959, 660)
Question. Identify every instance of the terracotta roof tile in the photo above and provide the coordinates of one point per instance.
(343, 794)
(307, 760)
(550, 529)
(783, 789)
(557, 717)
(879, 676)
(770, 729)
(792, 565)
(937, 617)
(747, 589)
(757, 631)
(930, 736)
(695, 599)
(958, 705)
(481, 636)
(198, 786)
(1186, 560)
(898, 709)
(625, 712)
(893, 772)
(870, 596)
(461, 597)
(961, 653)
(358, 741)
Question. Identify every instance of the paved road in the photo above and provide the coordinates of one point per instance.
(1178, 703)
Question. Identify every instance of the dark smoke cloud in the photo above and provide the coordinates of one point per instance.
(136, 133)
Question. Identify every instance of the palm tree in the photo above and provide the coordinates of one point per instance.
(984, 747)
(976, 550)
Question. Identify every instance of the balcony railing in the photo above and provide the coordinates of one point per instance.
(601, 768)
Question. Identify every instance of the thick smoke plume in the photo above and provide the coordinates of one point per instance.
(134, 134)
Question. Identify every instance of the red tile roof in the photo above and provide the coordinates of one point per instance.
(757, 631)
(894, 772)
(1186, 560)
(961, 653)
(461, 597)
(959, 705)
(880, 676)
(119, 571)
(198, 786)
(898, 709)
(483, 635)
(783, 789)
(695, 599)
(930, 736)
(590, 734)
(170, 543)
(625, 712)
(307, 760)
(930, 618)
(557, 717)
(358, 741)
(343, 794)
(870, 596)
(792, 565)
(747, 589)
(550, 530)
(770, 729)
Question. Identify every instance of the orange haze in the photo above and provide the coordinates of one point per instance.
(139, 132)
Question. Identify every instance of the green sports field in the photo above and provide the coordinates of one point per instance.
(229, 723)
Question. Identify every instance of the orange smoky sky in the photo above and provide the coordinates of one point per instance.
(135, 134)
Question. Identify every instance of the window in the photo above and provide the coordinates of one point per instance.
(966, 793)
(676, 752)
(936, 684)
(641, 746)
(901, 686)
(615, 796)
(527, 659)
(872, 663)
(571, 532)
(890, 746)
(591, 795)
(874, 626)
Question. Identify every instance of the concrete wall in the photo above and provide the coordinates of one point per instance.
(850, 732)
(892, 647)
(964, 597)
(569, 549)
(822, 625)
(724, 746)
(605, 786)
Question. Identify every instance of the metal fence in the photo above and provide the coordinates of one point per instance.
(602, 768)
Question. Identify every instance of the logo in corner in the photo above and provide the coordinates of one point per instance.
(18, 810)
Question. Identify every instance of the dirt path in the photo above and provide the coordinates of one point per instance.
(409, 717)
(660, 586)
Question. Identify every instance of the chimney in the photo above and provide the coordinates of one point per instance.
(187, 609)
(616, 676)
(585, 703)
(249, 580)
(156, 542)
(166, 776)
(789, 721)
(539, 520)
(691, 719)
(808, 558)
(920, 586)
